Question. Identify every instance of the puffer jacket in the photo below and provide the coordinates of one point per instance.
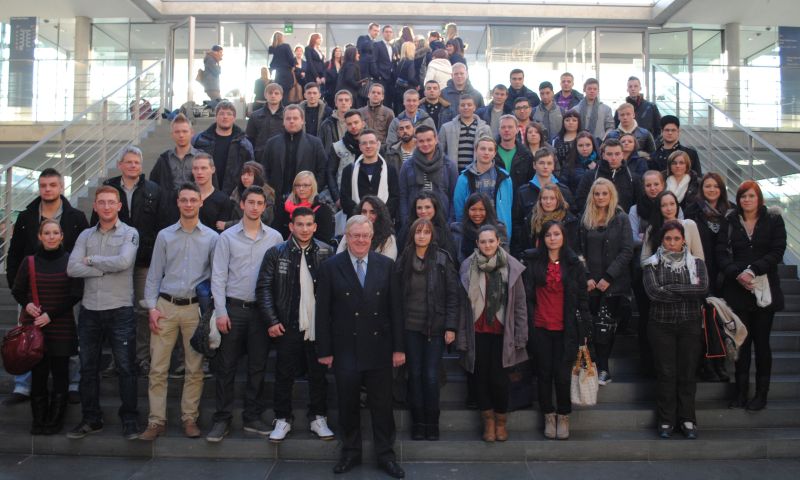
(278, 276)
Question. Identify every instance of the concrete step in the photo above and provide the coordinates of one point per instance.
(608, 445)
(604, 416)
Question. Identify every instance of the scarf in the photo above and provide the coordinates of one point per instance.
(351, 143)
(307, 312)
(645, 207)
(290, 206)
(383, 185)
(586, 161)
(428, 172)
(678, 188)
(676, 262)
(488, 285)
(712, 215)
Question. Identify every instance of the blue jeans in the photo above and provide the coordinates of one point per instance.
(423, 356)
(119, 326)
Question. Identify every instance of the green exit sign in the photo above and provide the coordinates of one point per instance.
(288, 28)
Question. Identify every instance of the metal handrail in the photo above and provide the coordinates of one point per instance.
(728, 118)
(97, 134)
(77, 117)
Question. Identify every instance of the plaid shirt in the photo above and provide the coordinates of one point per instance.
(674, 298)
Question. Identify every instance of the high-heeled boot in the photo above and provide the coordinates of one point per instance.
(39, 405)
(742, 387)
(760, 400)
(55, 417)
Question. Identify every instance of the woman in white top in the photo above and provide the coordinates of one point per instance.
(668, 209)
(383, 239)
(681, 179)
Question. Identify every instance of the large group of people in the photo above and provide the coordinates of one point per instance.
(363, 239)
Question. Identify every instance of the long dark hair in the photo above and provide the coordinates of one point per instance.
(569, 114)
(349, 55)
(657, 219)
(382, 229)
(722, 202)
(409, 252)
(541, 261)
(491, 215)
(438, 218)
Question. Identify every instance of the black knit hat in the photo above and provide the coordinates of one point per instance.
(216, 48)
(667, 119)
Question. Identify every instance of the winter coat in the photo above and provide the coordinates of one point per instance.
(449, 136)
(761, 254)
(409, 187)
(378, 118)
(617, 252)
(282, 63)
(263, 125)
(629, 186)
(525, 199)
(521, 165)
(452, 95)
(211, 72)
(439, 69)
(443, 294)
(576, 315)
(526, 92)
(605, 119)
(515, 327)
(25, 236)
(310, 156)
(422, 118)
(240, 152)
(503, 195)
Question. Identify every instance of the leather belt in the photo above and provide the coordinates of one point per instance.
(240, 303)
(181, 302)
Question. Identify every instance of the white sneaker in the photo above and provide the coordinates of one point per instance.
(281, 428)
(604, 378)
(320, 427)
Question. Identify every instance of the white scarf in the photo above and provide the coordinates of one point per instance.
(679, 189)
(307, 301)
(383, 186)
(677, 261)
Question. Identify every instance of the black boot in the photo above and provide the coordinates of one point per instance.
(39, 408)
(742, 387)
(55, 418)
(722, 372)
(417, 427)
(706, 371)
(432, 425)
(760, 400)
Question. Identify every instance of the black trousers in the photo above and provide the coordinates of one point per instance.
(643, 306)
(58, 366)
(759, 327)
(603, 351)
(491, 379)
(296, 356)
(552, 369)
(676, 350)
(247, 336)
(378, 383)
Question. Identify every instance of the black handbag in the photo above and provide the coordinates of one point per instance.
(401, 84)
(712, 337)
(604, 325)
(199, 340)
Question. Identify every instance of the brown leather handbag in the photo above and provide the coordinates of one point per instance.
(23, 347)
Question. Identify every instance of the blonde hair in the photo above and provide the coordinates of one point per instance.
(539, 217)
(408, 50)
(304, 173)
(594, 216)
(277, 39)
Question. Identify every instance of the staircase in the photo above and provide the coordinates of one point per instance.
(621, 427)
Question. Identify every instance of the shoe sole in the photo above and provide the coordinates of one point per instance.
(327, 437)
(256, 431)
(134, 436)
(217, 439)
(278, 440)
(76, 436)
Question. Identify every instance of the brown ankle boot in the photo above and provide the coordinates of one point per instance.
(500, 426)
(488, 425)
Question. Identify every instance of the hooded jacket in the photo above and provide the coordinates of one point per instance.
(503, 194)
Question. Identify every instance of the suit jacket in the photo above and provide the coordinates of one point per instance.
(384, 64)
(359, 326)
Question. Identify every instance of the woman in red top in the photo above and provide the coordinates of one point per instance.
(493, 326)
(57, 294)
(555, 281)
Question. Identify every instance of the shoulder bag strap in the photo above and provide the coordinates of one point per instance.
(32, 278)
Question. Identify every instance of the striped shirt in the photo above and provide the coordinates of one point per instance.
(466, 143)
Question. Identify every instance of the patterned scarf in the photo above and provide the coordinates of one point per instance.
(492, 275)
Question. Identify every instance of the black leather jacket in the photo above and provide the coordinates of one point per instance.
(279, 276)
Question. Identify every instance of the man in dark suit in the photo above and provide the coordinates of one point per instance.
(360, 334)
(364, 46)
(383, 71)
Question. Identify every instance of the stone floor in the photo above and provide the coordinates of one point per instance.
(88, 468)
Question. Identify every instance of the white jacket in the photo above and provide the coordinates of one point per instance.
(439, 69)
